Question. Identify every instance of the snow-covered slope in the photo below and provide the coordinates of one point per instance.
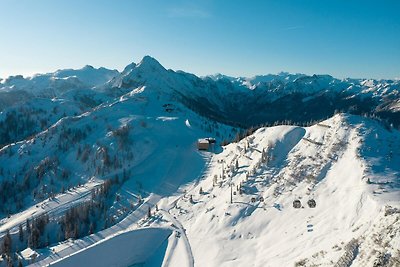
(139, 144)
(329, 162)
(88, 157)
(348, 165)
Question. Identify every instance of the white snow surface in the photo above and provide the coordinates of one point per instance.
(321, 162)
(329, 162)
(134, 247)
(349, 165)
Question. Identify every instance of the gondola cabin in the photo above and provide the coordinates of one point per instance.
(297, 204)
(311, 203)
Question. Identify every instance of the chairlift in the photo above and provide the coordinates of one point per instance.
(296, 204)
(311, 203)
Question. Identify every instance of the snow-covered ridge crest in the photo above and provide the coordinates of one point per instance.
(60, 81)
(150, 72)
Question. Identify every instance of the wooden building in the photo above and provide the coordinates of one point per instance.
(203, 144)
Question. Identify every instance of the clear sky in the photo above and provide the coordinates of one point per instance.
(344, 38)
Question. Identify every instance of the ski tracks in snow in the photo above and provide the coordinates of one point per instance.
(180, 229)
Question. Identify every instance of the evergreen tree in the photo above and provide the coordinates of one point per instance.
(10, 262)
(76, 231)
(7, 244)
(21, 233)
(91, 228)
(47, 240)
(28, 226)
(35, 237)
(149, 213)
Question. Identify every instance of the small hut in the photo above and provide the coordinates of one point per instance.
(28, 255)
(203, 144)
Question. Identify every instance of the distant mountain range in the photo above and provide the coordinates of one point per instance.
(266, 99)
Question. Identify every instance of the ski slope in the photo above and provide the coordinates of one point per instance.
(171, 172)
(321, 162)
(356, 220)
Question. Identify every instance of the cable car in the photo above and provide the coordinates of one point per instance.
(297, 204)
(311, 203)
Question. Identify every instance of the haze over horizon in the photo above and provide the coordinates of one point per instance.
(359, 39)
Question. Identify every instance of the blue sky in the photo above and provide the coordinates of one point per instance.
(359, 39)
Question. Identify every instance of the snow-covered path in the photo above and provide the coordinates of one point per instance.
(129, 222)
(52, 207)
(182, 234)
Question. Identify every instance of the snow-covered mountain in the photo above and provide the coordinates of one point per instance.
(240, 210)
(266, 99)
(246, 101)
(96, 159)
(53, 84)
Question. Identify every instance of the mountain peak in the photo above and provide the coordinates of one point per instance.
(129, 68)
(149, 62)
(148, 70)
(88, 67)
